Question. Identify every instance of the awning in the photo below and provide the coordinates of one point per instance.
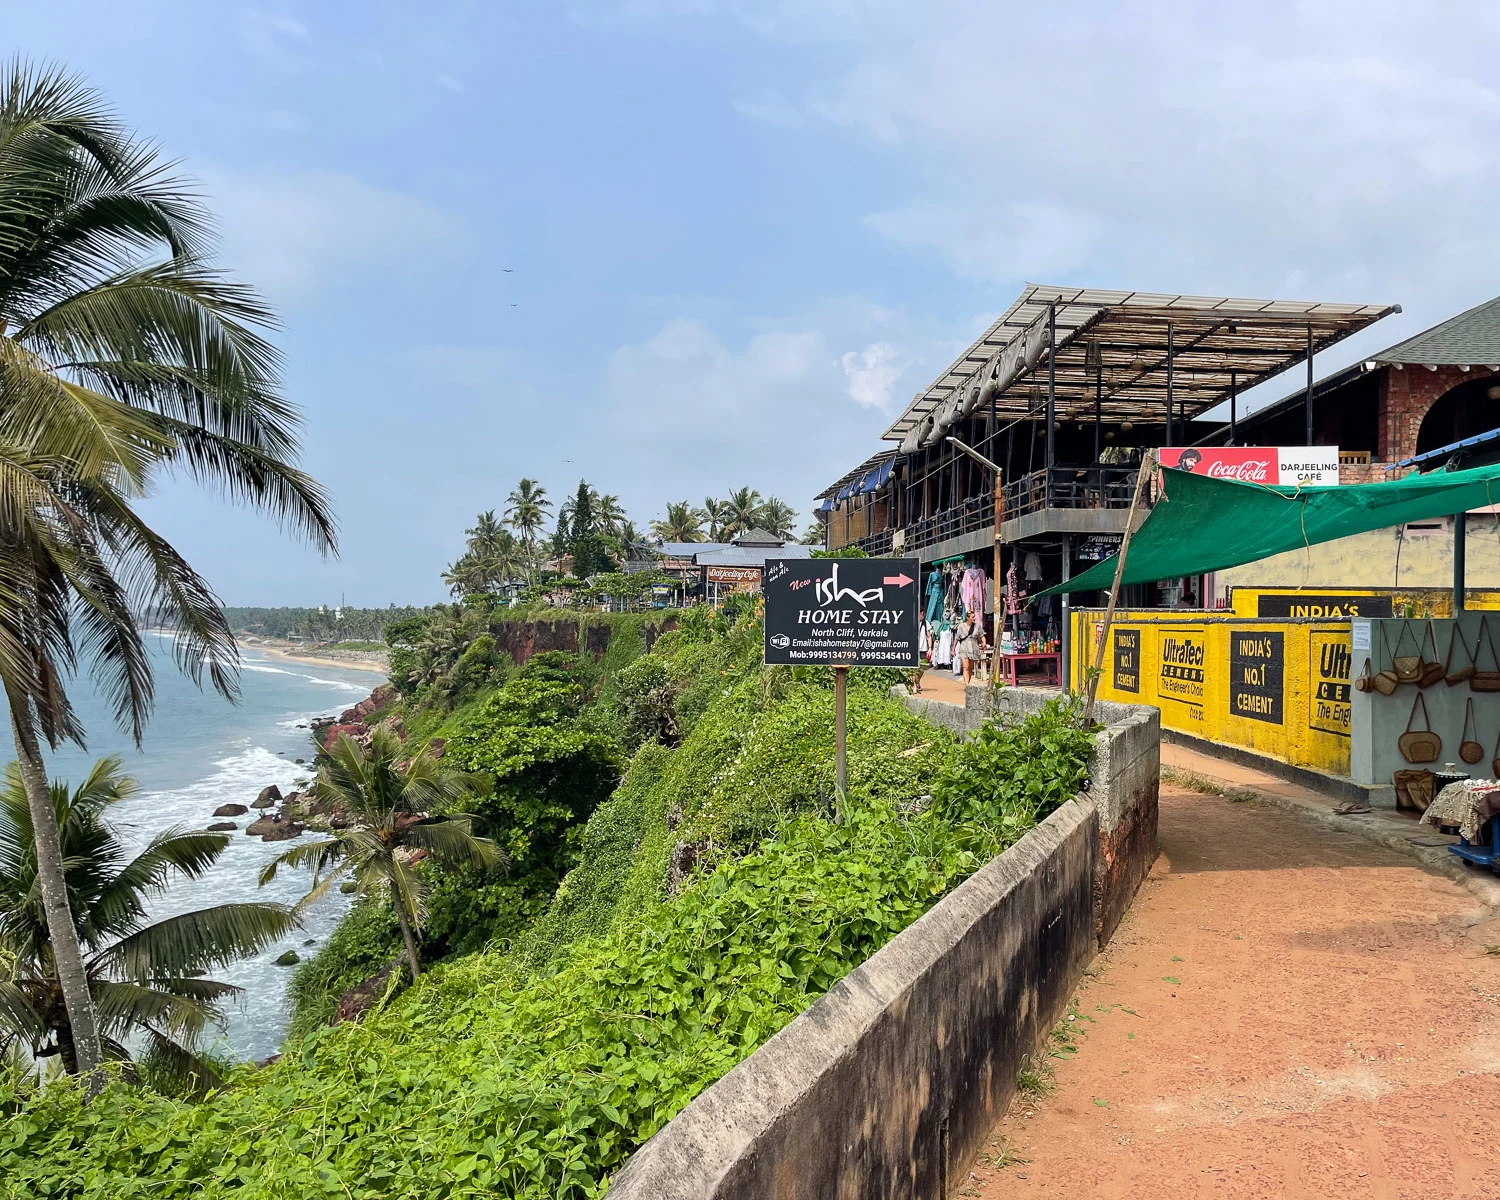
(1202, 524)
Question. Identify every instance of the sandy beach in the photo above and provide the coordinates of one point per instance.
(370, 661)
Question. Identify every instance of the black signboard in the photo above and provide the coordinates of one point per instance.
(1127, 660)
(855, 612)
(1337, 605)
(1256, 661)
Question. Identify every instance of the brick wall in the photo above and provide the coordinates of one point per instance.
(1405, 397)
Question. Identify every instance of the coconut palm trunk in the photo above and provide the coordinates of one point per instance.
(61, 932)
(398, 902)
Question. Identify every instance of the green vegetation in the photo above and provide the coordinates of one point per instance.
(391, 809)
(146, 977)
(125, 356)
(326, 623)
(712, 896)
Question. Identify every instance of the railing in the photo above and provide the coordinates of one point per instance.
(1072, 487)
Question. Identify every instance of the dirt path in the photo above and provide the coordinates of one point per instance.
(1288, 1011)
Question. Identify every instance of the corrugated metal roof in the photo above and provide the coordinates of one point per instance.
(885, 456)
(1472, 338)
(1117, 341)
(752, 556)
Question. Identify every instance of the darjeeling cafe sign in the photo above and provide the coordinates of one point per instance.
(856, 612)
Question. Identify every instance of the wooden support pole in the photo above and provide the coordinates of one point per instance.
(840, 736)
(1148, 465)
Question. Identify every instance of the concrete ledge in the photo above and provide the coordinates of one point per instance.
(889, 1085)
(1339, 786)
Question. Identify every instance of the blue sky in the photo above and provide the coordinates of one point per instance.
(678, 246)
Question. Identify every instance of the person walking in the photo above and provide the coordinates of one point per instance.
(967, 639)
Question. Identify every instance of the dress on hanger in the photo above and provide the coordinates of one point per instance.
(975, 583)
(934, 595)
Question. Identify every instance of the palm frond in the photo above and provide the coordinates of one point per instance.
(451, 841)
(196, 940)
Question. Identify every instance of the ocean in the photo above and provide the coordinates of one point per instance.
(199, 752)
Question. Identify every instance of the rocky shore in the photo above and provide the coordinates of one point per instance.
(280, 817)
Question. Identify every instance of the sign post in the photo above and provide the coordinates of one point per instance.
(841, 613)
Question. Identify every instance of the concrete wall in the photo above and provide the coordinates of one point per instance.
(1380, 720)
(1124, 782)
(1400, 557)
(890, 1084)
(1277, 687)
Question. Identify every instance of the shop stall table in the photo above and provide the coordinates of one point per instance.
(1044, 669)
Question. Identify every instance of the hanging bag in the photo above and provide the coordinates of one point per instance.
(1419, 745)
(1456, 675)
(1485, 681)
(1385, 679)
(1468, 749)
(1432, 670)
(1408, 667)
(1366, 680)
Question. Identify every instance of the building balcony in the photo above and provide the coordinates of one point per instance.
(1066, 500)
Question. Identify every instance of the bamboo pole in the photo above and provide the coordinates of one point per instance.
(1148, 466)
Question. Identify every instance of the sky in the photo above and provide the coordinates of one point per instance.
(677, 247)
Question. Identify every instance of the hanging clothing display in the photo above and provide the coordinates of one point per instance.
(973, 588)
(944, 653)
(1015, 594)
(935, 595)
(1033, 567)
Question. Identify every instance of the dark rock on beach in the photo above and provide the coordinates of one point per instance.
(268, 796)
(289, 959)
(230, 810)
(222, 827)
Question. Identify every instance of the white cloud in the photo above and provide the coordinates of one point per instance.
(872, 374)
(449, 83)
(295, 234)
(1340, 148)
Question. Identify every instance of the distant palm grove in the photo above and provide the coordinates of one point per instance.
(591, 534)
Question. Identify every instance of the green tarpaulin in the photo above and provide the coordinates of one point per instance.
(1202, 524)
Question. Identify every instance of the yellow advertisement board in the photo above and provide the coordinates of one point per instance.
(1280, 688)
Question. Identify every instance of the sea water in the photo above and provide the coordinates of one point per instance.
(201, 751)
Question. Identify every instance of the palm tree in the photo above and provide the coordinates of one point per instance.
(484, 537)
(608, 515)
(146, 978)
(714, 514)
(683, 523)
(778, 517)
(633, 544)
(741, 512)
(123, 356)
(386, 802)
(526, 511)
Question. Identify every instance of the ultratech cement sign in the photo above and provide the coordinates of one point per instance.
(1329, 660)
(1180, 661)
(855, 612)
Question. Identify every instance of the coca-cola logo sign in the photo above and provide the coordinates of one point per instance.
(1309, 466)
(1255, 470)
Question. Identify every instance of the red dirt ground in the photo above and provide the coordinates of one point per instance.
(1287, 1011)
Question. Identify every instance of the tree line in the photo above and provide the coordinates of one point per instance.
(594, 534)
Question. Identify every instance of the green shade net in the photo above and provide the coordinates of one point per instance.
(1201, 524)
